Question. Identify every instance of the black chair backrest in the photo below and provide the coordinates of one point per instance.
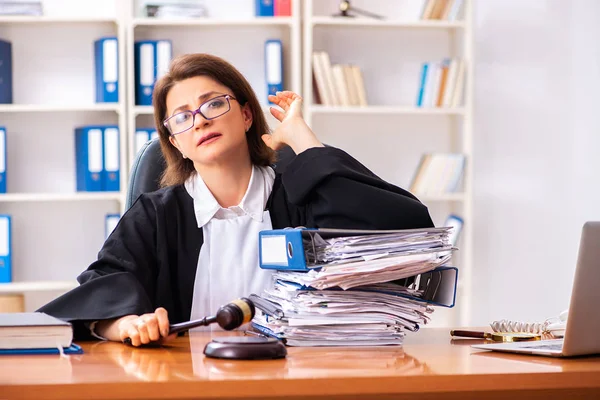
(149, 165)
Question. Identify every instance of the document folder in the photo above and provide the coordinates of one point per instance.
(89, 158)
(274, 66)
(5, 249)
(152, 58)
(111, 181)
(284, 249)
(2, 159)
(106, 55)
(6, 74)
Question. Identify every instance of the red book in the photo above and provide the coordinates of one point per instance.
(282, 8)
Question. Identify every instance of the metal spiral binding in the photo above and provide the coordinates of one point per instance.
(507, 326)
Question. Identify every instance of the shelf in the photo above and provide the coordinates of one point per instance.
(143, 110)
(115, 107)
(40, 286)
(18, 19)
(428, 198)
(50, 197)
(257, 21)
(367, 22)
(390, 110)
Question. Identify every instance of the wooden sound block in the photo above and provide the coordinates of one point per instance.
(245, 348)
(12, 303)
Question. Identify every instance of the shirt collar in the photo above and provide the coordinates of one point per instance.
(253, 203)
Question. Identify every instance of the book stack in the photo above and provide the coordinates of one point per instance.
(35, 333)
(445, 10)
(338, 84)
(438, 174)
(441, 84)
(352, 288)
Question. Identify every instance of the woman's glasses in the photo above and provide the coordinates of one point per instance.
(210, 109)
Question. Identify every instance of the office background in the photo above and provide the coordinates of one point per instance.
(534, 134)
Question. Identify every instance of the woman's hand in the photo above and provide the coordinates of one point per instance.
(141, 329)
(293, 130)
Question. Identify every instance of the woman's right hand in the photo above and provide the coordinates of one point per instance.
(140, 329)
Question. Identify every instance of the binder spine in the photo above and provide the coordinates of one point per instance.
(2, 159)
(6, 75)
(111, 173)
(110, 223)
(264, 8)
(145, 62)
(274, 66)
(5, 249)
(282, 249)
(89, 159)
(107, 70)
(142, 136)
(152, 59)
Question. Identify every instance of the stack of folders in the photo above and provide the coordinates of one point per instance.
(353, 288)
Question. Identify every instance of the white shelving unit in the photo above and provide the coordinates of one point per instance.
(56, 231)
(66, 228)
(238, 38)
(390, 134)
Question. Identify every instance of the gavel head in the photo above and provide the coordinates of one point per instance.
(235, 314)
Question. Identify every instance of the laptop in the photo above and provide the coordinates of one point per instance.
(583, 321)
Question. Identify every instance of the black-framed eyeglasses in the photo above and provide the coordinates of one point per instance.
(210, 109)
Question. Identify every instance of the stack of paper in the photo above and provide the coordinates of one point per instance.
(366, 289)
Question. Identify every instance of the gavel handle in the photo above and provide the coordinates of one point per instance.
(184, 326)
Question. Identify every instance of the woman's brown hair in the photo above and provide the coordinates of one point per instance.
(187, 66)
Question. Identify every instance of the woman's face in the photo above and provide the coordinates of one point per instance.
(207, 141)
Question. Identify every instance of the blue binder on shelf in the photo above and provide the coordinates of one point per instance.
(6, 92)
(142, 136)
(264, 8)
(110, 223)
(273, 66)
(5, 249)
(2, 159)
(106, 54)
(89, 158)
(111, 181)
(152, 59)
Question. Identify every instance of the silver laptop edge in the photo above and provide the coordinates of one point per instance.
(583, 322)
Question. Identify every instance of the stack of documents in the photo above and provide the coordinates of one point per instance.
(353, 288)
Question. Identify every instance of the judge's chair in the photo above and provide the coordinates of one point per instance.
(149, 165)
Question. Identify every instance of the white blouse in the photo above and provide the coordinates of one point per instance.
(228, 265)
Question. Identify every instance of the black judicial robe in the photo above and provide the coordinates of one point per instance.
(151, 257)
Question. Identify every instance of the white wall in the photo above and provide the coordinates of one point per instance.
(537, 152)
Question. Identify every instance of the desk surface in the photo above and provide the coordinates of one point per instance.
(429, 365)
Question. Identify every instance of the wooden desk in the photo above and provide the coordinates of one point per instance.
(429, 366)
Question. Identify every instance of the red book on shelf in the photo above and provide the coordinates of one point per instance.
(282, 8)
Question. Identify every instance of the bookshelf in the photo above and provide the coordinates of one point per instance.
(56, 231)
(231, 31)
(390, 133)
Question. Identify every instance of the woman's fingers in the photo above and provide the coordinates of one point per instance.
(278, 100)
(162, 319)
(277, 113)
(134, 335)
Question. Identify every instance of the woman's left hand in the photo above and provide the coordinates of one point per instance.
(293, 130)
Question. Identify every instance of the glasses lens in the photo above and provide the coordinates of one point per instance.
(215, 107)
(181, 122)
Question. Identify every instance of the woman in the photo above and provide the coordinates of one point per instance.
(181, 252)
